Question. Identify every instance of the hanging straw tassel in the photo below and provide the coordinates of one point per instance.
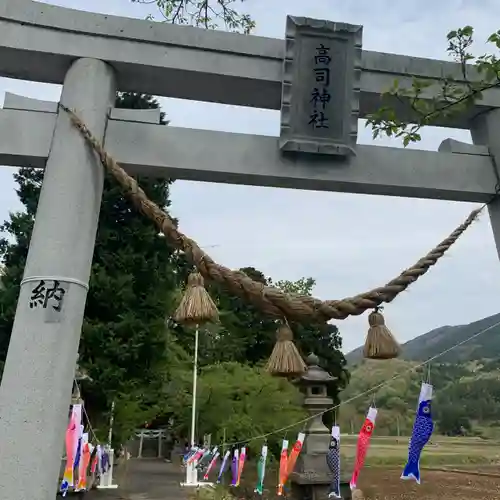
(285, 360)
(380, 342)
(196, 307)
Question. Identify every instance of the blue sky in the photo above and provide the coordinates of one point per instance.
(351, 242)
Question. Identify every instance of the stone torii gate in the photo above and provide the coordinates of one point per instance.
(93, 56)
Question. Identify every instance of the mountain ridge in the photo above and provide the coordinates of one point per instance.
(459, 343)
(461, 362)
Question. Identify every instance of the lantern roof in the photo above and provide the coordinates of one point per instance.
(315, 373)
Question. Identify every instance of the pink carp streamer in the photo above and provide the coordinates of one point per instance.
(241, 464)
(71, 440)
(211, 465)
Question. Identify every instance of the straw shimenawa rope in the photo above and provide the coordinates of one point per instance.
(268, 299)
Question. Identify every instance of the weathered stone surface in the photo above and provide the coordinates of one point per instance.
(203, 155)
(203, 65)
(312, 477)
(320, 92)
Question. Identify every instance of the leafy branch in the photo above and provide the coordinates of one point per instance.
(429, 106)
(202, 13)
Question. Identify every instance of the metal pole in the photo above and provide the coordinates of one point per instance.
(141, 444)
(191, 471)
(40, 367)
(111, 421)
(195, 383)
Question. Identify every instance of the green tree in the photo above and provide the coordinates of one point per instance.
(135, 276)
(452, 420)
(202, 13)
(244, 334)
(249, 336)
(449, 97)
(237, 402)
(303, 286)
(466, 396)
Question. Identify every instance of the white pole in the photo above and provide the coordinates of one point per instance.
(111, 420)
(141, 444)
(191, 471)
(195, 383)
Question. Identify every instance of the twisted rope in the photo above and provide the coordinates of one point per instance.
(269, 300)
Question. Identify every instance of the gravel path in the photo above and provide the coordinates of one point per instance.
(143, 480)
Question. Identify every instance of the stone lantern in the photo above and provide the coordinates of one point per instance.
(311, 478)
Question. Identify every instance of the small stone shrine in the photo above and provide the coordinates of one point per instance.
(312, 478)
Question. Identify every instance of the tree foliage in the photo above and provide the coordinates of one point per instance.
(466, 396)
(123, 344)
(246, 336)
(249, 335)
(208, 14)
(236, 403)
(431, 102)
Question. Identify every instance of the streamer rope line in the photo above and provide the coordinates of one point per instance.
(85, 414)
(369, 391)
(269, 300)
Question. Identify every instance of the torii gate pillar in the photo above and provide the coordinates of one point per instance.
(53, 292)
(485, 130)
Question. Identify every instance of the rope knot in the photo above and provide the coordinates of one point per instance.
(375, 318)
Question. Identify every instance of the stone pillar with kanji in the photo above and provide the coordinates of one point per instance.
(312, 477)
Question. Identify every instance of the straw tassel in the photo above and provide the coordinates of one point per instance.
(196, 307)
(285, 360)
(380, 342)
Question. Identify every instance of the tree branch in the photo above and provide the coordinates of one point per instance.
(452, 97)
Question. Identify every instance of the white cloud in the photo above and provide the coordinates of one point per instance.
(348, 243)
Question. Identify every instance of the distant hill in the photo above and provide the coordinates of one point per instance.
(485, 346)
(466, 382)
(466, 396)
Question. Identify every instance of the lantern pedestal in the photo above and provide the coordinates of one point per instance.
(306, 487)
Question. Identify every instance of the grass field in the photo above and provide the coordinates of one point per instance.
(455, 461)
(380, 480)
(440, 452)
(383, 483)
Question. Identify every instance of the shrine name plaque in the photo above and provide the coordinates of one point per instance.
(321, 86)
